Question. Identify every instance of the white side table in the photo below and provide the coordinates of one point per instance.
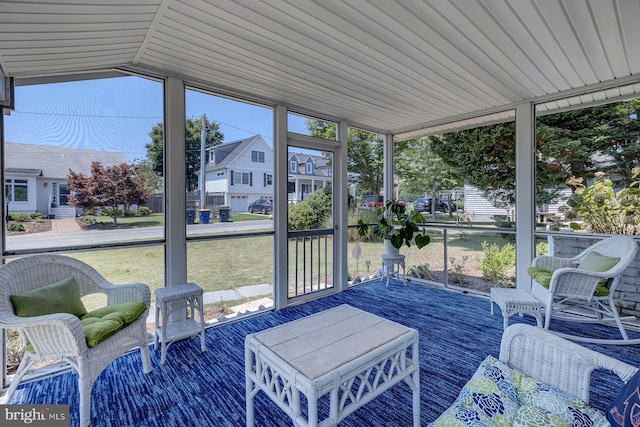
(173, 298)
(389, 263)
(515, 301)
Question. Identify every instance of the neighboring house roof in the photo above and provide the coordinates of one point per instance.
(55, 161)
(225, 154)
(320, 168)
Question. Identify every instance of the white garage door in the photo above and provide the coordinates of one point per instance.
(239, 203)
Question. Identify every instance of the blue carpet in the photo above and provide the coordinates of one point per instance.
(208, 389)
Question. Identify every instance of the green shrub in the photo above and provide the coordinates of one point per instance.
(36, 216)
(542, 248)
(18, 216)
(310, 213)
(88, 220)
(15, 226)
(602, 209)
(144, 211)
(497, 262)
(15, 347)
(420, 271)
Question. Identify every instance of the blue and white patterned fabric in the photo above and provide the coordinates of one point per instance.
(497, 395)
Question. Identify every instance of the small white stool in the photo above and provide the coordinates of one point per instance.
(512, 301)
(389, 263)
(173, 298)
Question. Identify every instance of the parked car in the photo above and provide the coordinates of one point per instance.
(445, 204)
(263, 206)
(423, 204)
(368, 201)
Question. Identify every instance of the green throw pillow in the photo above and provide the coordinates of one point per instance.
(592, 262)
(59, 297)
(540, 275)
(129, 311)
(595, 261)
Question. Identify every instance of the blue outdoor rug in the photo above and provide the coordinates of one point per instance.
(208, 389)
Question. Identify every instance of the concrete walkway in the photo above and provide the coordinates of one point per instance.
(64, 225)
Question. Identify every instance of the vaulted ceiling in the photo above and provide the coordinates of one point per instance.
(388, 65)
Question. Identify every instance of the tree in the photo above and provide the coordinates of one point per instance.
(568, 144)
(155, 149)
(146, 172)
(422, 172)
(484, 156)
(107, 188)
(364, 155)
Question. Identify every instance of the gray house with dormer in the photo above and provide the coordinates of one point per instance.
(36, 175)
(242, 171)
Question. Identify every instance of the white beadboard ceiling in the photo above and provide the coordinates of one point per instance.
(403, 66)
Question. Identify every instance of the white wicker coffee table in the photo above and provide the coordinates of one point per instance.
(343, 356)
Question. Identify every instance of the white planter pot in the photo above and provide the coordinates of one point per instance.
(389, 249)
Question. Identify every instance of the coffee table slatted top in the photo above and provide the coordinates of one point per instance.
(322, 342)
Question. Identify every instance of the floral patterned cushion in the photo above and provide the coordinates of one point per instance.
(498, 395)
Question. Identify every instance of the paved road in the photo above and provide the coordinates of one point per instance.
(50, 240)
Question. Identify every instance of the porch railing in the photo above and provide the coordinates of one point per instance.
(310, 261)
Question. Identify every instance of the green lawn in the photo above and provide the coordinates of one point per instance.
(228, 264)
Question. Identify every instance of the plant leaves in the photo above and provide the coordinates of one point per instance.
(422, 240)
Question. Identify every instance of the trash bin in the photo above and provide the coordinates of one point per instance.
(191, 216)
(204, 216)
(224, 214)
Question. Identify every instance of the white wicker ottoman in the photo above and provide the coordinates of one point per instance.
(343, 356)
(512, 301)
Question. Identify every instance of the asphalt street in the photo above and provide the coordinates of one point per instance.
(55, 240)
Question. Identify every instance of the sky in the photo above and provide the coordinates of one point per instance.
(117, 114)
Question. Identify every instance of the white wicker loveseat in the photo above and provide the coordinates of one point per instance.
(539, 379)
(60, 336)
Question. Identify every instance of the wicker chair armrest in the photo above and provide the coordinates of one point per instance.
(553, 263)
(49, 334)
(119, 294)
(574, 282)
(556, 361)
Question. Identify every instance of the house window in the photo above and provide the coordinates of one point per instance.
(268, 179)
(293, 166)
(241, 178)
(309, 168)
(16, 190)
(257, 156)
(330, 171)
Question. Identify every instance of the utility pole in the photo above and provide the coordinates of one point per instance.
(203, 161)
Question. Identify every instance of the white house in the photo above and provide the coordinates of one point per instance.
(480, 209)
(242, 171)
(307, 173)
(36, 175)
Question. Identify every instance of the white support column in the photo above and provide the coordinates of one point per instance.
(175, 183)
(525, 193)
(341, 209)
(388, 167)
(280, 208)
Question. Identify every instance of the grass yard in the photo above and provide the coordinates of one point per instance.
(228, 264)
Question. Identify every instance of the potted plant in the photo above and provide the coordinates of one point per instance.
(396, 226)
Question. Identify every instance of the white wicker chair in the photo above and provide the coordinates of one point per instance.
(60, 336)
(570, 295)
(556, 361)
